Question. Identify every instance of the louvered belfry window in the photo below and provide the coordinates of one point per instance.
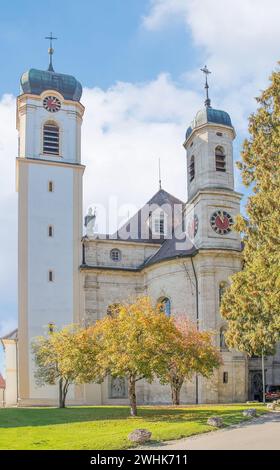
(192, 168)
(51, 138)
(220, 159)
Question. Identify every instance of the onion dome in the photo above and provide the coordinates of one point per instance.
(36, 81)
(211, 116)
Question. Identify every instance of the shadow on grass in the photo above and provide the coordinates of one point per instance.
(21, 417)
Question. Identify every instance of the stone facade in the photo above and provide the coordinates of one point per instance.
(175, 280)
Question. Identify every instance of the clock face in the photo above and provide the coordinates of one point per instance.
(221, 222)
(192, 226)
(51, 104)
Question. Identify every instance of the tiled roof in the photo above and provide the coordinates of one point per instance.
(173, 248)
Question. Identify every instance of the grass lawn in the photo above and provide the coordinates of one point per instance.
(106, 427)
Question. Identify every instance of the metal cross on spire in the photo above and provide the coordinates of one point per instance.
(51, 38)
(206, 73)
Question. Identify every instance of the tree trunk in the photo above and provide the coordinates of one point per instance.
(132, 396)
(63, 389)
(60, 388)
(176, 386)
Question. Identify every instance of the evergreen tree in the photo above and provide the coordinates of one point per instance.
(252, 303)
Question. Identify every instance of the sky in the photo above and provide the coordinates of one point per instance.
(139, 62)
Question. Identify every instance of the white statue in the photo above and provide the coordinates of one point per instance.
(90, 222)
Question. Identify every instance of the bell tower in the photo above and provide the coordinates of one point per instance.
(210, 176)
(49, 184)
(211, 209)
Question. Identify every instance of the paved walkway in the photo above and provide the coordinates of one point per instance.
(258, 434)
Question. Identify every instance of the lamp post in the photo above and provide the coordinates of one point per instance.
(263, 377)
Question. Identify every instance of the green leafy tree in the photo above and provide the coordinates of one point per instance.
(64, 357)
(252, 303)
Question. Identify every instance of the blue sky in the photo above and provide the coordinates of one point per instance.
(139, 62)
(100, 40)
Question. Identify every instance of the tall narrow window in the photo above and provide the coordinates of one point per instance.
(51, 138)
(51, 277)
(220, 159)
(159, 224)
(50, 230)
(50, 186)
(192, 168)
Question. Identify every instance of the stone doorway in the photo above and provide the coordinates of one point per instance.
(255, 385)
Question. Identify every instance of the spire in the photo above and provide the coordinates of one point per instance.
(159, 174)
(50, 51)
(206, 72)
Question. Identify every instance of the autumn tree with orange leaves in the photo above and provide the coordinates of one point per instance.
(190, 352)
(130, 342)
(138, 341)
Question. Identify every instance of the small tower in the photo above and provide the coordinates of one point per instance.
(49, 184)
(210, 175)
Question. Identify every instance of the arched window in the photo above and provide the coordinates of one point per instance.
(113, 310)
(223, 345)
(165, 305)
(51, 138)
(222, 288)
(192, 168)
(115, 254)
(220, 158)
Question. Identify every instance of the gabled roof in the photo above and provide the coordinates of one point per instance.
(136, 226)
(162, 197)
(2, 382)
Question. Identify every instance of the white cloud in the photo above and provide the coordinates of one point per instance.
(162, 11)
(8, 205)
(126, 129)
(238, 40)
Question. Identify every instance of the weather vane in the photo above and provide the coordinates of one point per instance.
(51, 38)
(206, 73)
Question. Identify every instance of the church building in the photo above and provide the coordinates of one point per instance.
(180, 253)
